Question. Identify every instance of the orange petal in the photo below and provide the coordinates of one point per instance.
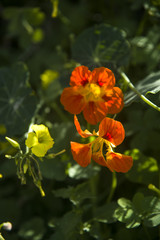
(80, 76)
(114, 100)
(81, 153)
(94, 112)
(104, 77)
(112, 131)
(72, 101)
(82, 133)
(98, 158)
(119, 162)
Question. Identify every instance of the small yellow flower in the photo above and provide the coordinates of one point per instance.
(40, 140)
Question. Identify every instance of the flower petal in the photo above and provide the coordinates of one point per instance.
(81, 153)
(94, 112)
(97, 151)
(80, 76)
(39, 150)
(114, 100)
(103, 77)
(112, 131)
(72, 101)
(98, 158)
(32, 140)
(119, 162)
(82, 133)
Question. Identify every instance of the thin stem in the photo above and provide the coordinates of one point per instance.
(113, 187)
(154, 188)
(146, 100)
(146, 232)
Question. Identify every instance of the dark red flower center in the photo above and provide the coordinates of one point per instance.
(107, 136)
(84, 82)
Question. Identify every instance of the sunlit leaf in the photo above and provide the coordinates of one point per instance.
(127, 213)
(77, 172)
(17, 102)
(101, 45)
(150, 84)
(152, 207)
(144, 170)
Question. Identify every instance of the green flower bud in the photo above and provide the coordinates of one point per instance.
(13, 142)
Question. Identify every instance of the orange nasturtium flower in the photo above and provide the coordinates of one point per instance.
(111, 133)
(92, 93)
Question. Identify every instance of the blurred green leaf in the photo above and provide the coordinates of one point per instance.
(53, 169)
(69, 227)
(77, 172)
(150, 84)
(23, 22)
(75, 194)
(101, 45)
(17, 102)
(33, 229)
(105, 213)
(144, 170)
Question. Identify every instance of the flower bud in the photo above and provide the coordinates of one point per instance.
(13, 142)
(7, 226)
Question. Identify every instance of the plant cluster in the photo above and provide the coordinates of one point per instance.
(66, 66)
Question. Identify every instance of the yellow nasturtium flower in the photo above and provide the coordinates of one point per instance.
(40, 140)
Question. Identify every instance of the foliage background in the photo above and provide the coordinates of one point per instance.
(39, 41)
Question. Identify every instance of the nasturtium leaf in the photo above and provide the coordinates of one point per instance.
(105, 213)
(144, 170)
(150, 84)
(33, 229)
(101, 45)
(75, 194)
(17, 102)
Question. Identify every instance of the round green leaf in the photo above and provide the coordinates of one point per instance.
(101, 45)
(17, 104)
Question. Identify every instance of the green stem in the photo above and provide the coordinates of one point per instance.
(113, 187)
(146, 232)
(154, 188)
(146, 100)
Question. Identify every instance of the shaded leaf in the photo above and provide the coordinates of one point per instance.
(150, 84)
(105, 213)
(101, 45)
(33, 229)
(69, 227)
(17, 104)
(75, 194)
(53, 169)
